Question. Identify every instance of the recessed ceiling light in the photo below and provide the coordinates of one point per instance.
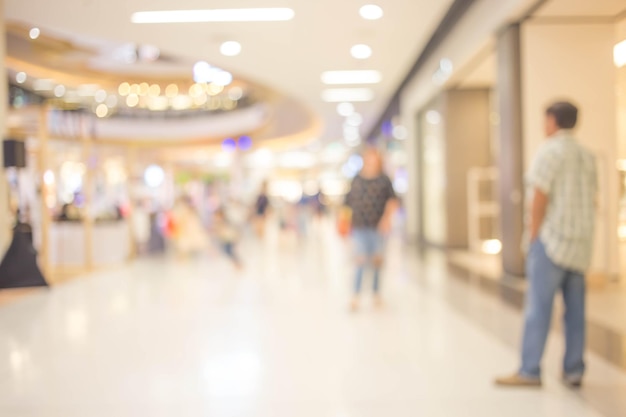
(619, 54)
(345, 109)
(361, 51)
(351, 77)
(20, 77)
(371, 12)
(215, 15)
(338, 95)
(230, 48)
(34, 33)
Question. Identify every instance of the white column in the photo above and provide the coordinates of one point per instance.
(4, 205)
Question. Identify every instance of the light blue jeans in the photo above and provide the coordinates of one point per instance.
(545, 280)
(369, 245)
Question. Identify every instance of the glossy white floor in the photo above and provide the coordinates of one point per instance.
(165, 338)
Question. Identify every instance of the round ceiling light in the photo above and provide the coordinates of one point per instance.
(371, 12)
(154, 176)
(345, 109)
(361, 51)
(20, 77)
(34, 33)
(230, 48)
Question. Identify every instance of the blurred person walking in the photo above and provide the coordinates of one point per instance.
(562, 187)
(227, 235)
(187, 231)
(372, 202)
(261, 207)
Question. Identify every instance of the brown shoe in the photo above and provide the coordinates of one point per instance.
(517, 380)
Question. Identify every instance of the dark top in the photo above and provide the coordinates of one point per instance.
(367, 199)
(261, 205)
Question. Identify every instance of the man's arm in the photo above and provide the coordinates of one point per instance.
(538, 213)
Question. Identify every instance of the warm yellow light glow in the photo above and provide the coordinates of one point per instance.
(492, 247)
(155, 90)
(214, 89)
(200, 100)
(171, 90)
(132, 100)
(196, 90)
(144, 88)
(134, 89)
(124, 89)
(102, 110)
(158, 103)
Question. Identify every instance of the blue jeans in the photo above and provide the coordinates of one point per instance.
(545, 280)
(369, 246)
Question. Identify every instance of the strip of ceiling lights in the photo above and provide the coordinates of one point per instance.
(276, 14)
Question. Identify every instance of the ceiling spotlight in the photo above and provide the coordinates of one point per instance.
(351, 77)
(230, 48)
(371, 12)
(345, 109)
(34, 33)
(361, 51)
(20, 77)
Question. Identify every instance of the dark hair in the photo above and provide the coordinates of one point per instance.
(565, 114)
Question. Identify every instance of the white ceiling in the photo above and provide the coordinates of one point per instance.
(286, 56)
(579, 8)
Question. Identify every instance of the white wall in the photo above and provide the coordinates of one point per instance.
(471, 35)
(576, 62)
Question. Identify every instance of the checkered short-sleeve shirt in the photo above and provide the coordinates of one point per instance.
(566, 172)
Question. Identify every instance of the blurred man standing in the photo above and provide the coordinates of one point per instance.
(373, 202)
(562, 190)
